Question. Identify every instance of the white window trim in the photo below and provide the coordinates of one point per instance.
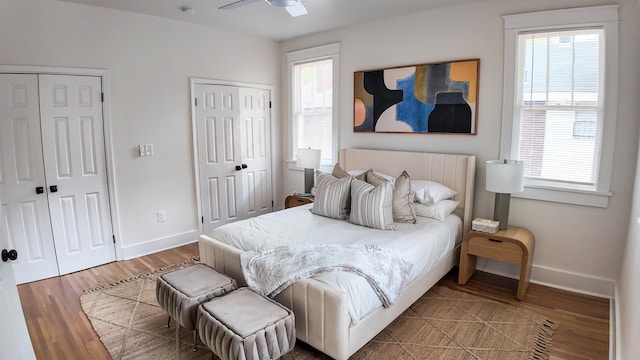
(605, 17)
(319, 52)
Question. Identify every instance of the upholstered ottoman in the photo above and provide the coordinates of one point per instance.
(244, 325)
(180, 292)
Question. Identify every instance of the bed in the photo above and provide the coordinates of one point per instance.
(324, 314)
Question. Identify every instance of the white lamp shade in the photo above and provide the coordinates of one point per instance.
(505, 176)
(308, 158)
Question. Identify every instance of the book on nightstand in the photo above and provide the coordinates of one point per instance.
(303, 194)
(485, 225)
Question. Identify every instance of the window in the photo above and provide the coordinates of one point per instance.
(559, 102)
(312, 99)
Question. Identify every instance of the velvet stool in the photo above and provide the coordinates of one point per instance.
(244, 325)
(180, 293)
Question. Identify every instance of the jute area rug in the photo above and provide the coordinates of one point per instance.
(442, 324)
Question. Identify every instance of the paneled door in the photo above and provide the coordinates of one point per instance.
(53, 174)
(22, 180)
(234, 153)
(75, 170)
(14, 336)
(256, 150)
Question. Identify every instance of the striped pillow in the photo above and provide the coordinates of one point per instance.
(371, 206)
(332, 197)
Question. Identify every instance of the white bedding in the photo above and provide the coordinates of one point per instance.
(422, 244)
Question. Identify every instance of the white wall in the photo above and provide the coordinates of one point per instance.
(150, 61)
(576, 247)
(628, 284)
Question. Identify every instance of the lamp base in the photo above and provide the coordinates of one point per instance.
(309, 177)
(501, 210)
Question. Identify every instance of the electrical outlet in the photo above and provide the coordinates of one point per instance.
(162, 216)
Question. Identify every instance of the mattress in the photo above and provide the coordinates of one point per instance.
(422, 244)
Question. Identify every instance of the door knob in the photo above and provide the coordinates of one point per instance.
(244, 166)
(53, 188)
(39, 189)
(238, 168)
(9, 255)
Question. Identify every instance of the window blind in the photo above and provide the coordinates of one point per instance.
(313, 106)
(559, 104)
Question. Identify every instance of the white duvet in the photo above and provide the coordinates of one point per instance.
(422, 244)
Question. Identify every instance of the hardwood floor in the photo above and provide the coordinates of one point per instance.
(584, 320)
(59, 329)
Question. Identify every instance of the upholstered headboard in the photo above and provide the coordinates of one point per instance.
(453, 170)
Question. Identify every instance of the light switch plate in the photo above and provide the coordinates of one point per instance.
(145, 149)
(148, 150)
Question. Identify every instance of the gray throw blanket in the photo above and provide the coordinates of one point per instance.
(271, 271)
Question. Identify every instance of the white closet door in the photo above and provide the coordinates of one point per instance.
(256, 150)
(26, 212)
(73, 144)
(218, 129)
(14, 336)
(234, 153)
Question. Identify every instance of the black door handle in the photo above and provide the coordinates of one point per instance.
(39, 189)
(53, 188)
(244, 166)
(9, 255)
(238, 168)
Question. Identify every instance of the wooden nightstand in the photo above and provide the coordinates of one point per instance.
(297, 200)
(514, 245)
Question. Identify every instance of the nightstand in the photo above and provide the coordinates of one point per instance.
(514, 245)
(297, 200)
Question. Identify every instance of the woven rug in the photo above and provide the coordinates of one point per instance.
(442, 324)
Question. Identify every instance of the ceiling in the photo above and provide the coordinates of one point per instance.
(270, 22)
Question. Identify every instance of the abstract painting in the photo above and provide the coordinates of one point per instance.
(427, 98)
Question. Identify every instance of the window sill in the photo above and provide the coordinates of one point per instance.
(575, 197)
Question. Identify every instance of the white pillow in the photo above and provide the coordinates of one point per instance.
(430, 192)
(438, 211)
(371, 206)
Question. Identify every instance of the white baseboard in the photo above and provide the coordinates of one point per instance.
(556, 278)
(159, 244)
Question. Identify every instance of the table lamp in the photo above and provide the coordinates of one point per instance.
(309, 160)
(504, 177)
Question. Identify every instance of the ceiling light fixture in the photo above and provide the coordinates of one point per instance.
(283, 3)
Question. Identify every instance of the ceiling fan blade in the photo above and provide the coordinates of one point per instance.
(296, 10)
(237, 4)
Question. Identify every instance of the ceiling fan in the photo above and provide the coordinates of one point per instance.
(293, 7)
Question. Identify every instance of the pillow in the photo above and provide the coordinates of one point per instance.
(438, 211)
(430, 192)
(358, 174)
(402, 196)
(371, 205)
(332, 197)
(374, 179)
(339, 172)
(361, 175)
